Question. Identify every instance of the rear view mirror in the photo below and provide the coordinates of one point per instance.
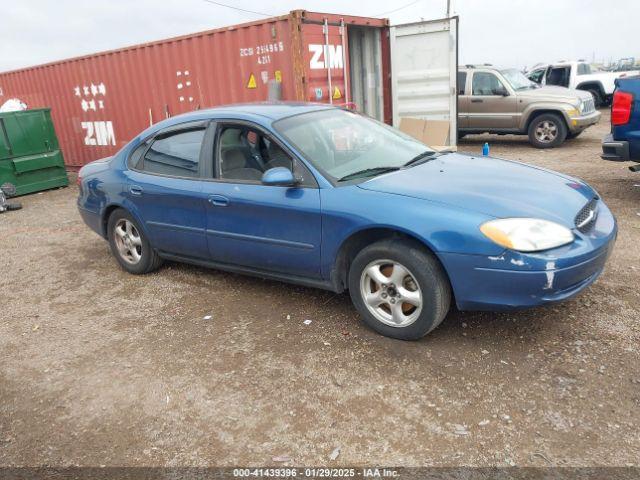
(279, 177)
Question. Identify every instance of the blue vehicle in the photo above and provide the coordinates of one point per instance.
(623, 143)
(329, 198)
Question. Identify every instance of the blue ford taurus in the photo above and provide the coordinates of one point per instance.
(328, 198)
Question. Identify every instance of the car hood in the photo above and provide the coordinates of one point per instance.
(491, 186)
(554, 92)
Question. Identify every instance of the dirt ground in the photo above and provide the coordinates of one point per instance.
(98, 367)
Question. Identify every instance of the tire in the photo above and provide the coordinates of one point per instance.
(125, 235)
(597, 98)
(423, 280)
(547, 130)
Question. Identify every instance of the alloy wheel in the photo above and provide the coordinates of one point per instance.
(128, 241)
(546, 131)
(391, 293)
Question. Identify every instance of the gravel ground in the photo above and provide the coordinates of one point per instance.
(98, 367)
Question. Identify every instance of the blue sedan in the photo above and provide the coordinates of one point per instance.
(328, 198)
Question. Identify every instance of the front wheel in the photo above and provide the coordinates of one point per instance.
(129, 244)
(547, 131)
(399, 288)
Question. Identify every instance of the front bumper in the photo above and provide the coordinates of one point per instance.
(515, 280)
(615, 150)
(577, 124)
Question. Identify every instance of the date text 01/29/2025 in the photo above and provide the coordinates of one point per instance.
(315, 472)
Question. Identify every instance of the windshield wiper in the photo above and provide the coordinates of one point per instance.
(423, 157)
(368, 172)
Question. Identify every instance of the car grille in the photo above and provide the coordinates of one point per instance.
(586, 217)
(589, 106)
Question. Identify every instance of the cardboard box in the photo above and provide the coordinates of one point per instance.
(434, 133)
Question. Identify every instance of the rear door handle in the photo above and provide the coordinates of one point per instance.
(218, 200)
(135, 190)
(476, 100)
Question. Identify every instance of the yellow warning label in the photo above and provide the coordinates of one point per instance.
(252, 82)
(278, 75)
(336, 93)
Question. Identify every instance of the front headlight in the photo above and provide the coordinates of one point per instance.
(527, 234)
(583, 106)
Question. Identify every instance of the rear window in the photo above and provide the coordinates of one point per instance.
(584, 69)
(176, 154)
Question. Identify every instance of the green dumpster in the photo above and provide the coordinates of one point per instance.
(30, 157)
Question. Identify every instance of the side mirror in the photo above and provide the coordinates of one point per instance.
(279, 177)
(501, 91)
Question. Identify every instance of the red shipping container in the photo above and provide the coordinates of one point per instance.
(100, 101)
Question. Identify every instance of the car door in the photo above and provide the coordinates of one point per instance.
(463, 101)
(164, 189)
(491, 104)
(248, 224)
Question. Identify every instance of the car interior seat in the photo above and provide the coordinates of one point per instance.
(234, 166)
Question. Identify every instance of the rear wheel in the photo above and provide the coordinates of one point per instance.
(399, 288)
(547, 131)
(597, 98)
(129, 245)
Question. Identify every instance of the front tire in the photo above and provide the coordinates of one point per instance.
(547, 130)
(129, 244)
(399, 288)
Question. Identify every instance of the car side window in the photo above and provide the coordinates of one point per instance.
(485, 83)
(175, 154)
(245, 153)
(584, 69)
(462, 80)
(558, 76)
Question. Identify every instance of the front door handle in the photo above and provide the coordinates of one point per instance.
(476, 100)
(218, 200)
(135, 190)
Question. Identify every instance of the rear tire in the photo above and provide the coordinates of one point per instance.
(129, 244)
(399, 288)
(547, 130)
(597, 98)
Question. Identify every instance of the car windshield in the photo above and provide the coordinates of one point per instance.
(345, 145)
(517, 80)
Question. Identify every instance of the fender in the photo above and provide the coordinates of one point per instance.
(590, 84)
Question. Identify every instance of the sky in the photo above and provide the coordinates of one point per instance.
(509, 33)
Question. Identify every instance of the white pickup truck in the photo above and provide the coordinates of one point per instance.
(579, 75)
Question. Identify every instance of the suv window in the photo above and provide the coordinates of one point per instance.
(176, 153)
(584, 69)
(485, 83)
(536, 75)
(462, 80)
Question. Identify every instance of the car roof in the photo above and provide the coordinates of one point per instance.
(260, 112)
(270, 110)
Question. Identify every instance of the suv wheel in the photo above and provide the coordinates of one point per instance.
(129, 245)
(400, 289)
(597, 98)
(547, 131)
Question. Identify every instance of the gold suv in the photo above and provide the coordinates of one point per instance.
(504, 101)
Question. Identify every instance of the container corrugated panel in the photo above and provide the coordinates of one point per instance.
(99, 102)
